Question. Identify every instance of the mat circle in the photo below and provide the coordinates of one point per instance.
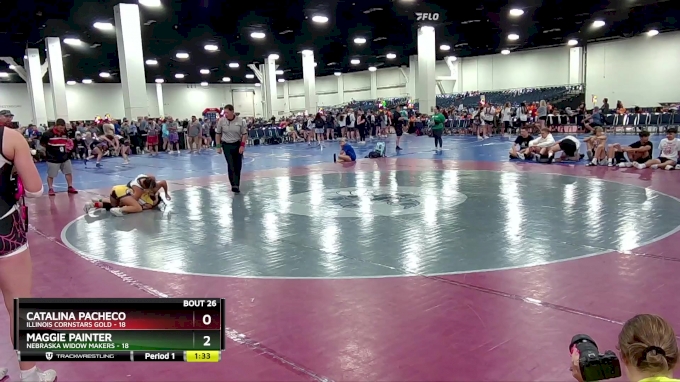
(380, 224)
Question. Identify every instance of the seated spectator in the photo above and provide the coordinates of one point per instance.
(605, 106)
(347, 153)
(640, 152)
(594, 121)
(597, 149)
(569, 146)
(544, 141)
(619, 108)
(668, 156)
(649, 350)
(32, 132)
(518, 149)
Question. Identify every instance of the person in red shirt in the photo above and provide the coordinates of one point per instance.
(57, 149)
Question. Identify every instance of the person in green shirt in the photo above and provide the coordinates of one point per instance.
(438, 128)
(649, 350)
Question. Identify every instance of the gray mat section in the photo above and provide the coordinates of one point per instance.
(380, 224)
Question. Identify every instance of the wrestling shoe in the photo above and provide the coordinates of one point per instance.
(72, 190)
(88, 206)
(3, 372)
(654, 166)
(625, 164)
(117, 211)
(677, 166)
(639, 165)
(51, 192)
(669, 167)
(521, 156)
(35, 375)
(551, 157)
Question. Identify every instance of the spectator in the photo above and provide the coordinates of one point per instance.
(6, 117)
(57, 147)
(649, 350)
(605, 106)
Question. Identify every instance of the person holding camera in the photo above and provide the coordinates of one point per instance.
(649, 353)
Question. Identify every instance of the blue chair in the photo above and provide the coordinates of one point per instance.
(665, 122)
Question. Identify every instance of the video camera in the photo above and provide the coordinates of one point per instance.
(593, 365)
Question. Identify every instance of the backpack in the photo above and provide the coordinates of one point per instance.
(378, 152)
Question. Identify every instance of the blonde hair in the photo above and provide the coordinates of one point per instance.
(542, 103)
(648, 343)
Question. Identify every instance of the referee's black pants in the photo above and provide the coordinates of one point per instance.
(234, 162)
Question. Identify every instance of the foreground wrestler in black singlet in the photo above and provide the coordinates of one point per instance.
(15, 258)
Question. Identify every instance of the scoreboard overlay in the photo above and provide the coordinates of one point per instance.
(110, 329)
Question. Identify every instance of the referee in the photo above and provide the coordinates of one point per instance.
(232, 133)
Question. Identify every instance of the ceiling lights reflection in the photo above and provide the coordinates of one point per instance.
(150, 3)
(103, 26)
(73, 41)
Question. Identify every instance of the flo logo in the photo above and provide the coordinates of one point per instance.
(427, 16)
(352, 200)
